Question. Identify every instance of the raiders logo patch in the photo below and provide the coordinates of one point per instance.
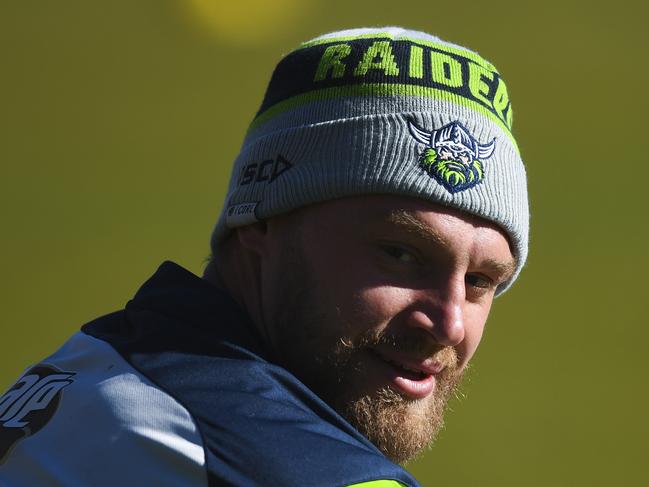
(453, 157)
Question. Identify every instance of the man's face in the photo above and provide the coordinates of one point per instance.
(377, 304)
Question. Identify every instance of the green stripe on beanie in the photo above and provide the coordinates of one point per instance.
(374, 89)
(382, 111)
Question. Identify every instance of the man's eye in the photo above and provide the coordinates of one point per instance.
(479, 281)
(400, 254)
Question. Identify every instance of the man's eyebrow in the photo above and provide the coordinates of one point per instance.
(502, 270)
(407, 222)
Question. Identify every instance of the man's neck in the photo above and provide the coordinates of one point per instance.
(238, 273)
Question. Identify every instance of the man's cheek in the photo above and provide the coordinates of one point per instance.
(384, 301)
(472, 338)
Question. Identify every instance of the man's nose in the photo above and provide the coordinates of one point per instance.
(441, 314)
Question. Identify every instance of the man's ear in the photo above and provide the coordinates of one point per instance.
(254, 237)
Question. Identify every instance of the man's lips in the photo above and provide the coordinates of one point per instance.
(415, 378)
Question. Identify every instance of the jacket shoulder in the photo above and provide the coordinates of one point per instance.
(84, 416)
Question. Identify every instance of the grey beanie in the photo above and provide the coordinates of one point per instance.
(382, 111)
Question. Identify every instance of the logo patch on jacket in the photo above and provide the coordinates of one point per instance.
(30, 404)
(452, 155)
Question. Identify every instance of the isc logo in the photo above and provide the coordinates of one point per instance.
(30, 404)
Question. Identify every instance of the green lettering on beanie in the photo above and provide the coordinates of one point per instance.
(331, 61)
(478, 78)
(501, 103)
(386, 62)
(416, 66)
(445, 69)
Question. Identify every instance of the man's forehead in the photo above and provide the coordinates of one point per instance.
(390, 208)
(412, 215)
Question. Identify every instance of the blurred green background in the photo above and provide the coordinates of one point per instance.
(119, 121)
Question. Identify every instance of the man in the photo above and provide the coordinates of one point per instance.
(376, 208)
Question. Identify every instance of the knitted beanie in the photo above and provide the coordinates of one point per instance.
(382, 111)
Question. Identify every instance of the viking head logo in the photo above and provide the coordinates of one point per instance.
(452, 155)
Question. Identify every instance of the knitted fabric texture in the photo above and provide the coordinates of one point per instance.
(382, 111)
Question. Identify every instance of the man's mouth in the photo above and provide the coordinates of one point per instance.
(412, 374)
(415, 379)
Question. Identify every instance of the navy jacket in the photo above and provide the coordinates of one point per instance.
(176, 389)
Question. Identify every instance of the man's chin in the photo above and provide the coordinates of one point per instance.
(401, 427)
